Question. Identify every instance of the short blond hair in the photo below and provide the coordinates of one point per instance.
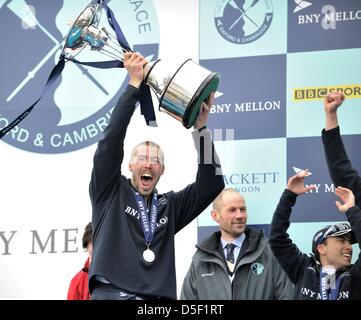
(216, 201)
(148, 144)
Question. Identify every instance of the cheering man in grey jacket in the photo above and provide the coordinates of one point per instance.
(235, 263)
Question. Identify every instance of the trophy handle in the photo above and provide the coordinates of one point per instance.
(74, 41)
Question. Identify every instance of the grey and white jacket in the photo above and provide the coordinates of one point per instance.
(257, 274)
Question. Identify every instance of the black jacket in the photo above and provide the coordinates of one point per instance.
(341, 171)
(343, 174)
(118, 239)
(303, 270)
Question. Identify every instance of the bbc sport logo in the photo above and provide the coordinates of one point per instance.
(352, 91)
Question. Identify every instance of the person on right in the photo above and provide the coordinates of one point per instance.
(341, 171)
(327, 274)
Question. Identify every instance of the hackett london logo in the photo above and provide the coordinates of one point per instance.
(241, 21)
(75, 111)
(250, 182)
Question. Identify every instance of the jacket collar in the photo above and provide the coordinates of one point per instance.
(210, 244)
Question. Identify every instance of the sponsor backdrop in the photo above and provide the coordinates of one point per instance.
(276, 60)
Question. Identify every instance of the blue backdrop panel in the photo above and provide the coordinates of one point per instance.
(319, 204)
(253, 100)
(324, 25)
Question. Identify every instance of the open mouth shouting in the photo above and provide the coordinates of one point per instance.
(146, 179)
(147, 167)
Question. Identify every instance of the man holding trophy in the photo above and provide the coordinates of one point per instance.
(134, 226)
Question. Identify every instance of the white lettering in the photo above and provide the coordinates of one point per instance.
(57, 140)
(258, 106)
(330, 188)
(19, 134)
(132, 212)
(316, 190)
(220, 108)
(154, 310)
(309, 18)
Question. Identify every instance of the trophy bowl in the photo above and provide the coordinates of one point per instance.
(180, 93)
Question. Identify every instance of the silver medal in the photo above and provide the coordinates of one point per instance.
(148, 255)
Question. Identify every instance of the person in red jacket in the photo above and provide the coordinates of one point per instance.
(78, 288)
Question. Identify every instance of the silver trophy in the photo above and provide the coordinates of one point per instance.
(180, 94)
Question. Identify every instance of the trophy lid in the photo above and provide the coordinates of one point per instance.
(74, 42)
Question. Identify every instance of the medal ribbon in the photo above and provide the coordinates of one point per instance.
(148, 225)
(329, 289)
